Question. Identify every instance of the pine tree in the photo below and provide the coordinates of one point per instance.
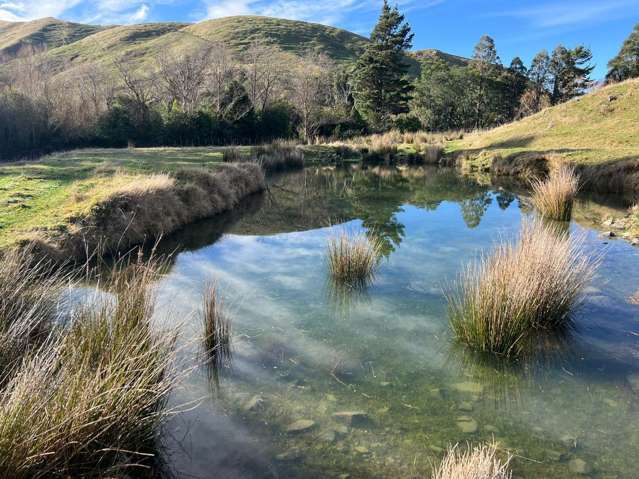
(517, 79)
(626, 64)
(570, 71)
(381, 87)
(485, 65)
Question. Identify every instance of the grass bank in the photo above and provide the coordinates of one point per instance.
(598, 133)
(107, 200)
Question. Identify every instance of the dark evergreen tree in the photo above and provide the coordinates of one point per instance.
(570, 71)
(626, 64)
(381, 87)
(517, 80)
(485, 65)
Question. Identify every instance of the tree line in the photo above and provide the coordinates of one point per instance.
(209, 95)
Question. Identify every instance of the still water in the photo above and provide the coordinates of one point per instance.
(327, 383)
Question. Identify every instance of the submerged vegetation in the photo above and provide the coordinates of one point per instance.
(480, 462)
(554, 196)
(520, 289)
(90, 398)
(352, 259)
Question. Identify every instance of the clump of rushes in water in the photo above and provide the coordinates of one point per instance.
(501, 300)
(480, 462)
(353, 259)
(217, 329)
(90, 401)
(553, 197)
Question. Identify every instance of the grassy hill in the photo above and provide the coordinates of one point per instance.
(454, 60)
(43, 33)
(70, 45)
(600, 127)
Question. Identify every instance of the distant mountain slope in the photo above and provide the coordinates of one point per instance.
(454, 60)
(43, 33)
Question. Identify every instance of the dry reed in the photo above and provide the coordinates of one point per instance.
(480, 462)
(553, 197)
(353, 259)
(502, 299)
(90, 401)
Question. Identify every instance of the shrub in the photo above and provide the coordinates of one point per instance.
(554, 197)
(352, 260)
(480, 462)
(502, 299)
(90, 401)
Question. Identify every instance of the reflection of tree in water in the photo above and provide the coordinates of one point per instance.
(473, 209)
(504, 199)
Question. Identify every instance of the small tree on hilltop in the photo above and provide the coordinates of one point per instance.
(381, 87)
(626, 64)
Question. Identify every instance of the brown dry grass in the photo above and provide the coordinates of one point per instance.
(89, 402)
(553, 198)
(217, 328)
(501, 300)
(352, 259)
(145, 209)
(480, 462)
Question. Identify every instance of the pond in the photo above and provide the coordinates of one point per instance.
(327, 383)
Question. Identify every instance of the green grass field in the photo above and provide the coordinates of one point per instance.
(46, 194)
(597, 128)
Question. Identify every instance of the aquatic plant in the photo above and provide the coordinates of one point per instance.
(500, 300)
(216, 337)
(352, 259)
(553, 197)
(480, 462)
(89, 402)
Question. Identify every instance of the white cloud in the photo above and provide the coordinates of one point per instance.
(25, 10)
(328, 11)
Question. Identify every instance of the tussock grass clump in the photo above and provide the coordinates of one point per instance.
(90, 402)
(480, 462)
(279, 156)
(353, 259)
(502, 299)
(30, 295)
(554, 196)
(216, 328)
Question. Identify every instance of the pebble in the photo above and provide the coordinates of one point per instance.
(467, 424)
(361, 450)
(352, 418)
(468, 387)
(289, 456)
(254, 404)
(579, 466)
(465, 406)
(301, 426)
(490, 429)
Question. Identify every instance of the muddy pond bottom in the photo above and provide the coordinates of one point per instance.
(327, 383)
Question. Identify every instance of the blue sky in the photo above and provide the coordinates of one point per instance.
(519, 27)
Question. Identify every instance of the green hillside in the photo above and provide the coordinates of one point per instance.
(43, 33)
(454, 60)
(600, 127)
(71, 45)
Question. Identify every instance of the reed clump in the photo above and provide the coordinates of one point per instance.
(216, 327)
(89, 402)
(553, 198)
(503, 299)
(480, 462)
(30, 298)
(279, 156)
(353, 259)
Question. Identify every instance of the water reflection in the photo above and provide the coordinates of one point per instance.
(305, 351)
